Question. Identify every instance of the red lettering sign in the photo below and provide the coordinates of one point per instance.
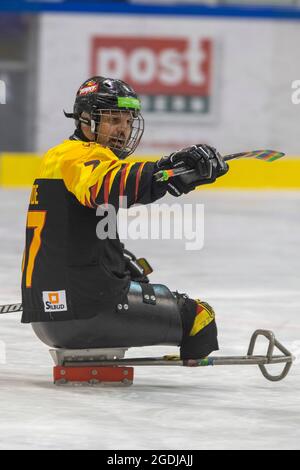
(155, 65)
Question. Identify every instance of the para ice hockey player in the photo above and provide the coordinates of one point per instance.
(81, 292)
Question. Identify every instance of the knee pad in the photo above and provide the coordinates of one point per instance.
(199, 329)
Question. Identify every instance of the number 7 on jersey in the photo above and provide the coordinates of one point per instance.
(36, 221)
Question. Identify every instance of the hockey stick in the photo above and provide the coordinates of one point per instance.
(266, 155)
(12, 308)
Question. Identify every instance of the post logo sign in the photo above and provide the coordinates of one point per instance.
(2, 92)
(55, 301)
(172, 75)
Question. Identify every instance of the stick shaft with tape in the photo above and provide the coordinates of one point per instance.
(266, 155)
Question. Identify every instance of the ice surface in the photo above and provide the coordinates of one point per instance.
(248, 270)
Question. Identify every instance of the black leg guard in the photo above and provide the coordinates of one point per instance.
(139, 324)
(199, 328)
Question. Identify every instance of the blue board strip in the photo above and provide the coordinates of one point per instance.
(261, 12)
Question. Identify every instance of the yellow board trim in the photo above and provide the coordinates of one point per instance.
(256, 174)
(19, 171)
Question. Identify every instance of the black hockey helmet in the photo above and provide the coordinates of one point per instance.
(98, 96)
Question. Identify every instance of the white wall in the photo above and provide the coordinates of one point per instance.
(255, 62)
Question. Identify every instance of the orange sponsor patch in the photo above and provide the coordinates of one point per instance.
(54, 298)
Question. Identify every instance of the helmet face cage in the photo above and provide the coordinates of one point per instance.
(112, 110)
(124, 130)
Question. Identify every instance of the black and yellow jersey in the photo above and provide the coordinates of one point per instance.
(68, 272)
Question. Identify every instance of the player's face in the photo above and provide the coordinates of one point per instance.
(115, 129)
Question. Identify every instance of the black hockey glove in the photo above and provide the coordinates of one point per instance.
(206, 162)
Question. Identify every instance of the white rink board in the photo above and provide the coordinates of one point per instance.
(248, 270)
(254, 65)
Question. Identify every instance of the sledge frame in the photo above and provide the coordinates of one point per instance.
(115, 358)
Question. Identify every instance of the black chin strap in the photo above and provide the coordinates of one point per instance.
(79, 135)
(77, 118)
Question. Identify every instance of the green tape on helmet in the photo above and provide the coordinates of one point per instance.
(131, 103)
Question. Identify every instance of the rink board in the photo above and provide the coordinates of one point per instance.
(19, 170)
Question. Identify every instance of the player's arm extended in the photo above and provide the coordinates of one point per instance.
(95, 181)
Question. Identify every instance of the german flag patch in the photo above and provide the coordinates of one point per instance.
(204, 316)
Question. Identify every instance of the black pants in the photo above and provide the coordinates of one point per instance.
(142, 324)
